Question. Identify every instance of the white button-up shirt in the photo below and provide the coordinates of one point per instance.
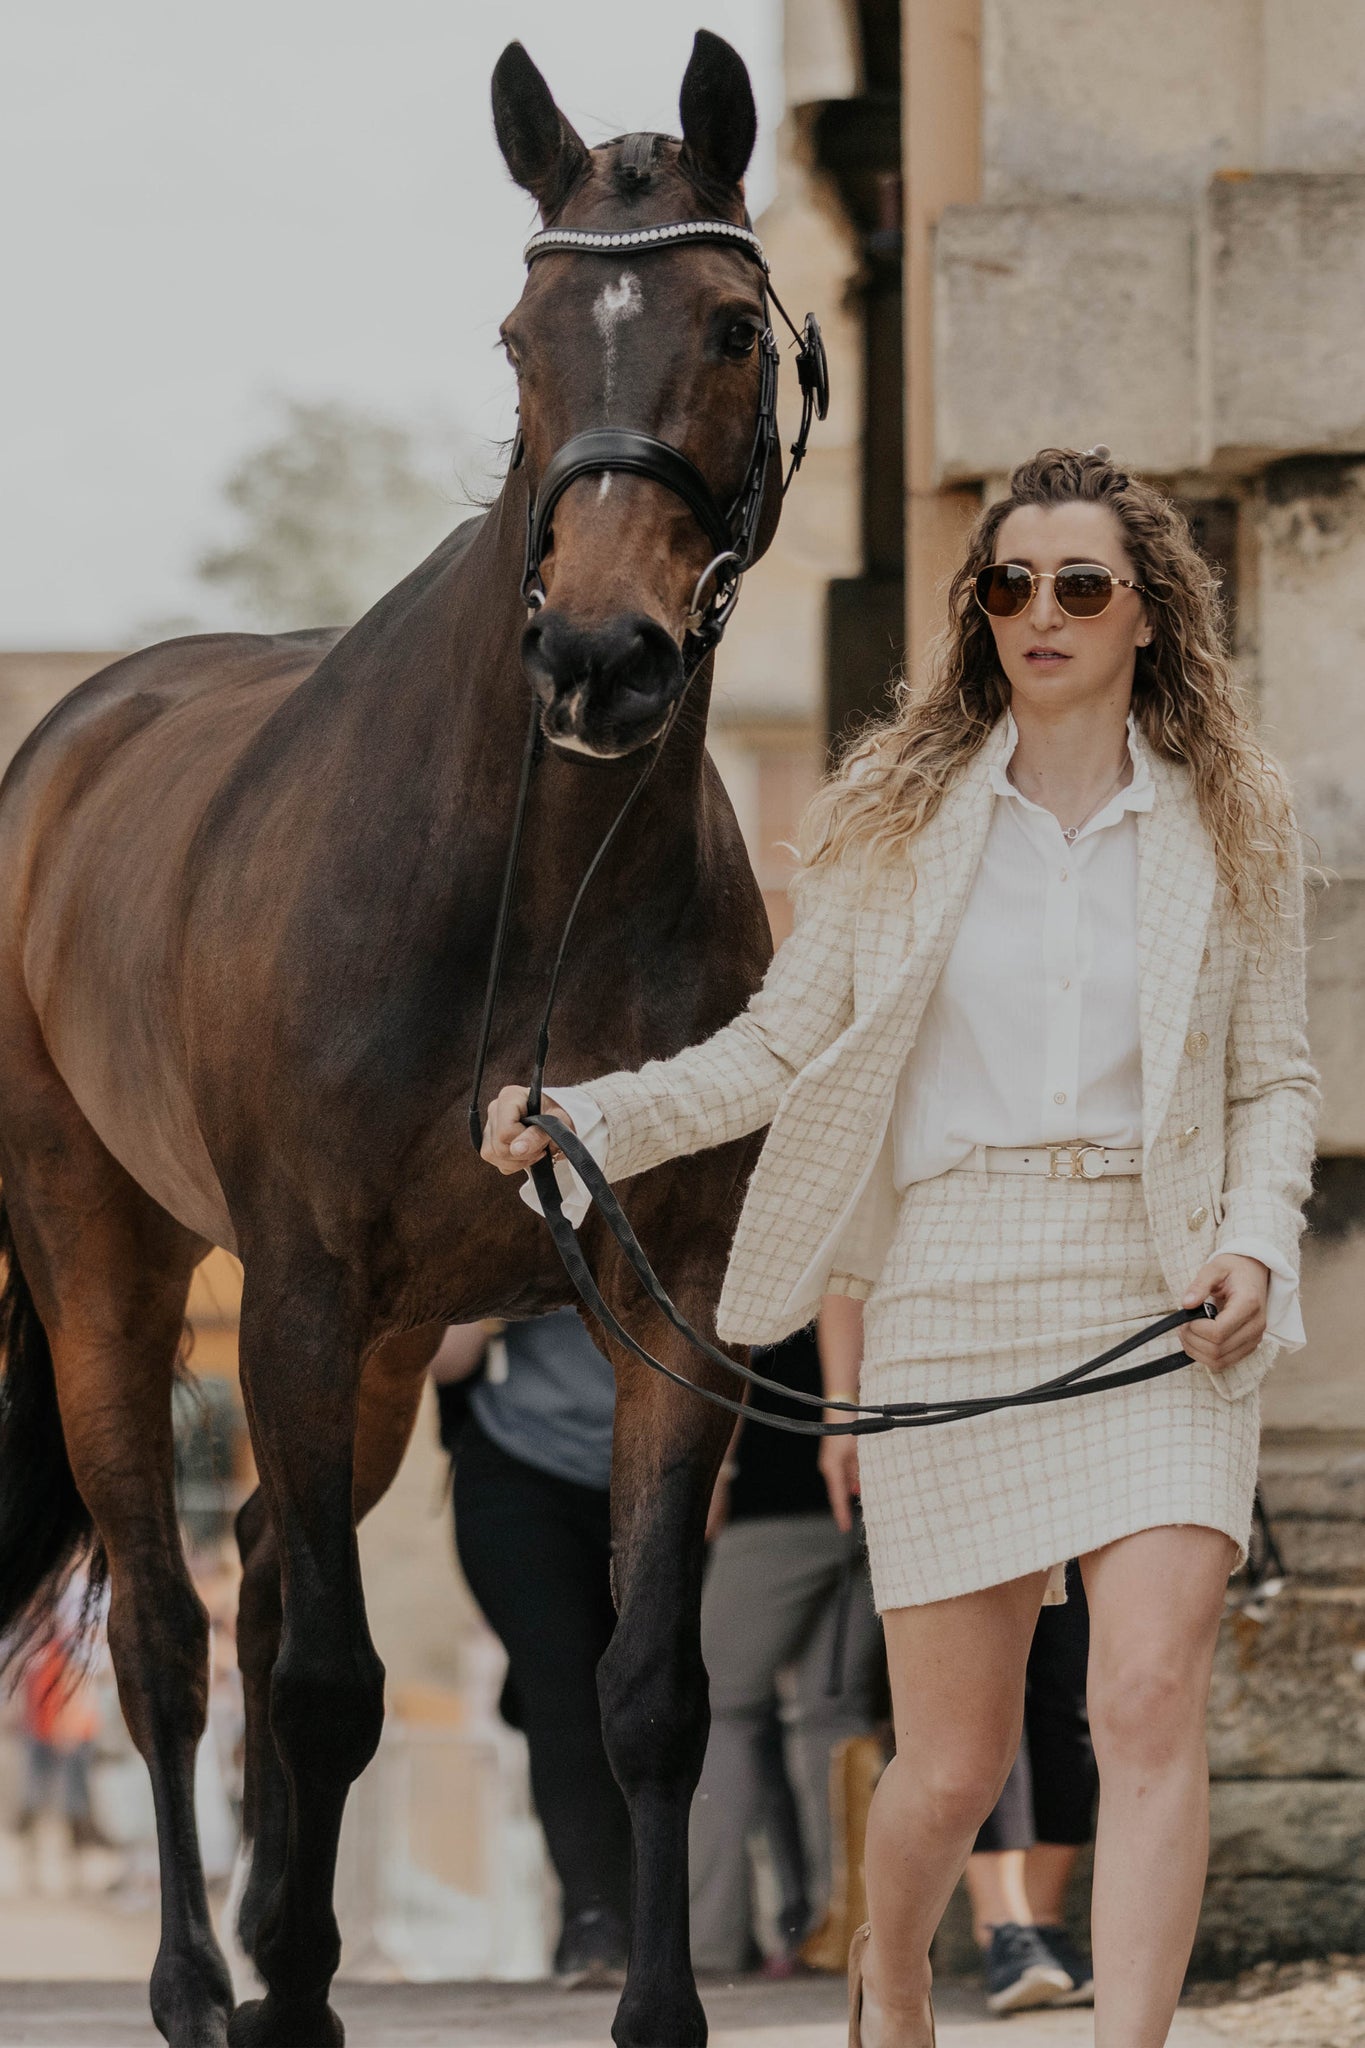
(1030, 1035)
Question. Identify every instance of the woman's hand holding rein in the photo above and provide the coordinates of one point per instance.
(511, 1144)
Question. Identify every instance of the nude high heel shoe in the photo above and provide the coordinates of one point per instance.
(856, 1951)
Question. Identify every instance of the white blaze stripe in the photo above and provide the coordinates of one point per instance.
(615, 303)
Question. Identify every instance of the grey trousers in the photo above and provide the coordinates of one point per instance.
(768, 1610)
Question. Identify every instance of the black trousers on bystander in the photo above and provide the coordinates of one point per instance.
(536, 1551)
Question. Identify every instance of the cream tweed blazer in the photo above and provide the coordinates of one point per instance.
(1229, 1095)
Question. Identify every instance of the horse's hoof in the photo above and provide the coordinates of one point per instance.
(208, 2031)
(642, 2024)
(191, 1999)
(266, 2023)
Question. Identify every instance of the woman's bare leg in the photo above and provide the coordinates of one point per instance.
(957, 1688)
(1155, 1602)
(997, 1885)
(1047, 1876)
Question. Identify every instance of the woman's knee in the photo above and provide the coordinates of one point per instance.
(954, 1786)
(1146, 1712)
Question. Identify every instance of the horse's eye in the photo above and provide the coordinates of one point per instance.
(740, 337)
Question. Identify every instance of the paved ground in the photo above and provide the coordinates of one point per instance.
(800, 2015)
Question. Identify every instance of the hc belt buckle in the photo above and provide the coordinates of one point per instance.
(1079, 1157)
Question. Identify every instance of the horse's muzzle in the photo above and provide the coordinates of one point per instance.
(606, 689)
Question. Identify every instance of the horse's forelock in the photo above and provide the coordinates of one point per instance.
(646, 165)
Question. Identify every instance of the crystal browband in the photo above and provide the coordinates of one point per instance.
(565, 240)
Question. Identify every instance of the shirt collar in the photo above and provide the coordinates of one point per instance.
(1137, 795)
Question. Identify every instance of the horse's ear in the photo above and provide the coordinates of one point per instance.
(719, 120)
(543, 151)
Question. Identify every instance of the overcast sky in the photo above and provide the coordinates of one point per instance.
(206, 209)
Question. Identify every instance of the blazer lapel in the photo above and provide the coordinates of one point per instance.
(904, 936)
(1176, 880)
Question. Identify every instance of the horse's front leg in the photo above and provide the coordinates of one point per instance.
(390, 1392)
(301, 1370)
(668, 1448)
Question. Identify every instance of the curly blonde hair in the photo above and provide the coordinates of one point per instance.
(1186, 700)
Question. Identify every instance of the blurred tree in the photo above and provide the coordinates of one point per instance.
(332, 511)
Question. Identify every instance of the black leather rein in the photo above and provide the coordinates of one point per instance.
(733, 534)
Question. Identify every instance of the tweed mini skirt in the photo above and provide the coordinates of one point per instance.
(997, 1281)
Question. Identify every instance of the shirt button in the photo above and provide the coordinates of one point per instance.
(1066, 981)
(1198, 1216)
(1060, 1096)
(1064, 872)
(1197, 1042)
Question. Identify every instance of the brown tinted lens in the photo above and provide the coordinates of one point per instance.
(1004, 590)
(1083, 589)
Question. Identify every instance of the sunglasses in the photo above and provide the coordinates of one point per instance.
(1082, 589)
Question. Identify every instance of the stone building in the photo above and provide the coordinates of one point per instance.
(1139, 222)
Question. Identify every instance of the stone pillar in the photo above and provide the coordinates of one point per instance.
(941, 146)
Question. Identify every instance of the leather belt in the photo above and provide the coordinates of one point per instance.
(1076, 1160)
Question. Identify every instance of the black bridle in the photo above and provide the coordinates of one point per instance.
(733, 532)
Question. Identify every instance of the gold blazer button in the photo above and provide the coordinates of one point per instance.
(1198, 1216)
(1197, 1042)
(1188, 1135)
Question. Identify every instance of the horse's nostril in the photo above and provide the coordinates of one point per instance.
(627, 658)
(609, 680)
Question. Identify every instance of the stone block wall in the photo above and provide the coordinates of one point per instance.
(1062, 323)
(1215, 334)
(1282, 276)
(1287, 1725)
(1306, 528)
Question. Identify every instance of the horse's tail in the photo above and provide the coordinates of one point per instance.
(45, 1528)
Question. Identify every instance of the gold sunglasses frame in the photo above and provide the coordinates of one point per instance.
(1036, 576)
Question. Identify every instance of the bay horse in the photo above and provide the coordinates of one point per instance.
(248, 886)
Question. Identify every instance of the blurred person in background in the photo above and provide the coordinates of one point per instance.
(61, 1723)
(526, 1415)
(785, 1601)
(1026, 1851)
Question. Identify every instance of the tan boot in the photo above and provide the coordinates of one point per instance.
(856, 1951)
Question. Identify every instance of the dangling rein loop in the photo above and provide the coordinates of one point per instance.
(864, 1419)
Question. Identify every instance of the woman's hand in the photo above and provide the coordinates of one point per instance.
(839, 1336)
(838, 1462)
(1238, 1286)
(511, 1144)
